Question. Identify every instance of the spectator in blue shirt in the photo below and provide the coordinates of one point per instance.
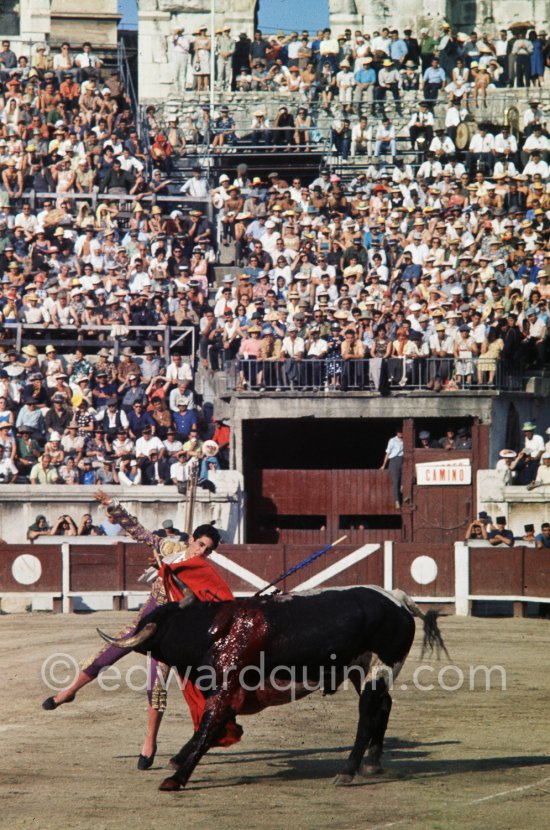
(133, 392)
(500, 535)
(542, 540)
(365, 80)
(87, 473)
(398, 48)
(434, 78)
(138, 419)
(184, 419)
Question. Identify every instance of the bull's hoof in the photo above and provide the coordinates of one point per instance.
(343, 780)
(170, 785)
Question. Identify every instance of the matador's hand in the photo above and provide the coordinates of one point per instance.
(103, 498)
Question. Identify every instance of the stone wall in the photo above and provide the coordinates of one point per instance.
(52, 21)
(34, 26)
(20, 505)
(93, 20)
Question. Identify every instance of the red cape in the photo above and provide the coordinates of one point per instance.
(200, 577)
(205, 582)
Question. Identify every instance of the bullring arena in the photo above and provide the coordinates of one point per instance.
(297, 290)
(464, 758)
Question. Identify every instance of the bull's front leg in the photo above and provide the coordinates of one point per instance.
(216, 716)
(231, 654)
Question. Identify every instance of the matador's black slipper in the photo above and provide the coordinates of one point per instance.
(146, 761)
(50, 703)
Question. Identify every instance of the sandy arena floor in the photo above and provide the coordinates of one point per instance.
(454, 759)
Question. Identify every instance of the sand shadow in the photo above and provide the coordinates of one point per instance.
(297, 766)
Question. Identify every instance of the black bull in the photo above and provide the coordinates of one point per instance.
(362, 633)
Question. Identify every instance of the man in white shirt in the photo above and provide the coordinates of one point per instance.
(270, 237)
(441, 145)
(504, 141)
(171, 444)
(385, 138)
(325, 287)
(533, 347)
(531, 116)
(197, 186)
(393, 459)
(178, 370)
(481, 149)
(418, 249)
(139, 279)
(536, 165)
(147, 442)
(88, 63)
(505, 166)
(181, 45)
(381, 43)
(441, 347)
(180, 472)
(536, 141)
(534, 444)
(429, 168)
(26, 220)
(453, 116)
(293, 349)
(129, 163)
(361, 138)
(421, 124)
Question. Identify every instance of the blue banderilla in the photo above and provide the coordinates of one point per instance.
(301, 565)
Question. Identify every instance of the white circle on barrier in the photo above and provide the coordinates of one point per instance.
(26, 569)
(424, 569)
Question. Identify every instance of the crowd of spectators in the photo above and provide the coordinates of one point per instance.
(484, 529)
(66, 526)
(433, 277)
(130, 421)
(529, 467)
(360, 63)
(347, 74)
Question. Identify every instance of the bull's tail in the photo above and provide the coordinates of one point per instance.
(433, 639)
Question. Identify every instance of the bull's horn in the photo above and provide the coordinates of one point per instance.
(188, 597)
(130, 642)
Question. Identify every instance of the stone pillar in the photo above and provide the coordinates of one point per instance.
(492, 14)
(157, 20)
(34, 26)
(343, 14)
(93, 20)
(401, 14)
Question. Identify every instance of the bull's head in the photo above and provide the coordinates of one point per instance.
(130, 642)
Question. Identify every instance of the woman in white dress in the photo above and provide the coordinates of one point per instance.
(201, 61)
(460, 82)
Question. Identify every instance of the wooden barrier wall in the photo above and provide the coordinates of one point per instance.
(433, 573)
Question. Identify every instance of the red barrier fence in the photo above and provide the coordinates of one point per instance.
(456, 574)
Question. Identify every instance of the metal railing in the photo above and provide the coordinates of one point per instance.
(126, 75)
(170, 336)
(333, 374)
(183, 203)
